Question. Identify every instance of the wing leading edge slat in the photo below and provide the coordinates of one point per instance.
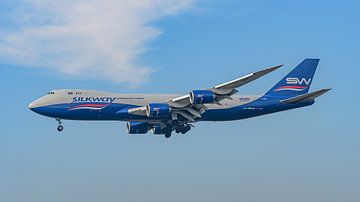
(246, 79)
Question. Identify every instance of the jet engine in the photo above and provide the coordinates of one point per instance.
(158, 110)
(202, 96)
(137, 127)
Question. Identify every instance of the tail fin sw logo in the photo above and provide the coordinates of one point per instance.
(295, 81)
(295, 84)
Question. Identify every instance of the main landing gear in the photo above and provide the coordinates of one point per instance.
(60, 127)
(181, 128)
(168, 130)
(168, 134)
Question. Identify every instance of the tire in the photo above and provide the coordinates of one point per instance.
(167, 135)
(186, 129)
(60, 128)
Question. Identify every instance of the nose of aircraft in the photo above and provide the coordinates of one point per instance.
(31, 105)
(34, 105)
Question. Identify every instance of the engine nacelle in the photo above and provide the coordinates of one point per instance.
(202, 96)
(137, 127)
(158, 110)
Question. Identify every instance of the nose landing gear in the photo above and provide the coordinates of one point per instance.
(60, 127)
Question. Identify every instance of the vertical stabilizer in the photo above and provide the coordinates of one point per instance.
(297, 82)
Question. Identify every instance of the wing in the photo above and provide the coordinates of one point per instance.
(225, 90)
(183, 109)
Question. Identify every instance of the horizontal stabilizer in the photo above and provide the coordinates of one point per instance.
(305, 97)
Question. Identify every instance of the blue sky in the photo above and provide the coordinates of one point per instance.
(309, 154)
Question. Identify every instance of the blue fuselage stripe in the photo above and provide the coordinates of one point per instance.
(108, 111)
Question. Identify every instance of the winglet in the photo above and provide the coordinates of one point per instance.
(305, 97)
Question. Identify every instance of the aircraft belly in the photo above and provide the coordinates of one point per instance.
(256, 108)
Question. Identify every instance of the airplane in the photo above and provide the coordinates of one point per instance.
(164, 113)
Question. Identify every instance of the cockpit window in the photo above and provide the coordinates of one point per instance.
(51, 93)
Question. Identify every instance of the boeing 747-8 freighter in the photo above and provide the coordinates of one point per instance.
(164, 113)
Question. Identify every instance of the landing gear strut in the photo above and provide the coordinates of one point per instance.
(60, 127)
(168, 131)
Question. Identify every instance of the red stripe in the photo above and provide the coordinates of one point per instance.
(297, 87)
(88, 105)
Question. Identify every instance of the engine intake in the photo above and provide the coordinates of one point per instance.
(202, 96)
(158, 110)
(137, 127)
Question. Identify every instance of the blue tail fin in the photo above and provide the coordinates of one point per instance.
(297, 82)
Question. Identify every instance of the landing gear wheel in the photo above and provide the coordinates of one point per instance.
(168, 134)
(60, 128)
(186, 129)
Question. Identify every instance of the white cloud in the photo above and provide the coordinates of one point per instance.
(92, 38)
